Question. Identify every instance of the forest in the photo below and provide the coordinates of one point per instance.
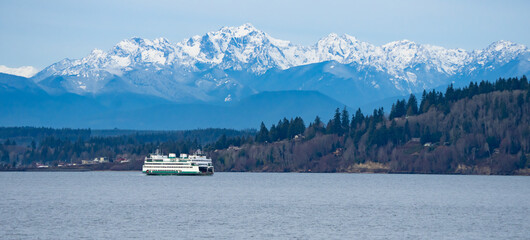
(479, 129)
(482, 128)
(24, 147)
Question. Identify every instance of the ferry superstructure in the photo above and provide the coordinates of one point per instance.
(194, 164)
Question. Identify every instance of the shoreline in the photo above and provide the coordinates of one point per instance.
(524, 173)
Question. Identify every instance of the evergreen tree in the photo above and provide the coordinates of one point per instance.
(283, 128)
(357, 119)
(424, 105)
(406, 130)
(398, 109)
(318, 125)
(412, 106)
(300, 125)
(329, 127)
(450, 93)
(263, 134)
(378, 115)
(291, 130)
(392, 111)
(274, 135)
(296, 127)
(336, 127)
(221, 143)
(345, 121)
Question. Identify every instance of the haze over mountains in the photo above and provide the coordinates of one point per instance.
(227, 78)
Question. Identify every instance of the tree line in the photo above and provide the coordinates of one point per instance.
(480, 128)
(26, 146)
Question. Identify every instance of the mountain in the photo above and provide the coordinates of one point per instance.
(25, 71)
(25, 104)
(10, 82)
(224, 68)
(237, 61)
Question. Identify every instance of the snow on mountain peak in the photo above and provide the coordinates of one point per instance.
(238, 48)
(24, 71)
(350, 38)
(506, 46)
(94, 57)
(161, 41)
(332, 36)
(246, 48)
(498, 52)
(240, 31)
(97, 52)
(128, 46)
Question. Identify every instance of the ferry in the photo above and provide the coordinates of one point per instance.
(194, 164)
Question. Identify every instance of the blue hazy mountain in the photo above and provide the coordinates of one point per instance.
(240, 76)
(137, 111)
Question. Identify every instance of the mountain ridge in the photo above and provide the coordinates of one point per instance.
(227, 62)
(238, 66)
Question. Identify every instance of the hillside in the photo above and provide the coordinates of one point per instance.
(25, 147)
(480, 129)
(483, 128)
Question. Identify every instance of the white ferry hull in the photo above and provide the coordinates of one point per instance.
(158, 164)
(166, 172)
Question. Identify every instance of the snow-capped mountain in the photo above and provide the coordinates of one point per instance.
(235, 62)
(25, 71)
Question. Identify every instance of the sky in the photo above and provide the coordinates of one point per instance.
(38, 33)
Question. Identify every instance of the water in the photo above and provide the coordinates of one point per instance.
(125, 205)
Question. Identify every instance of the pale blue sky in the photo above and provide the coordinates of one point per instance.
(39, 33)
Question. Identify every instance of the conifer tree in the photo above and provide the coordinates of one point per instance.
(296, 127)
(398, 109)
(273, 133)
(412, 105)
(283, 128)
(329, 127)
(345, 121)
(406, 130)
(221, 142)
(263, 134)
(318, 125)
(424, 105)
(357, 119)
(336, 124)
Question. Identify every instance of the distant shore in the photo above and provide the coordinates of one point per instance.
(352, 171)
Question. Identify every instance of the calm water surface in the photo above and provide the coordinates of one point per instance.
(125, 205)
